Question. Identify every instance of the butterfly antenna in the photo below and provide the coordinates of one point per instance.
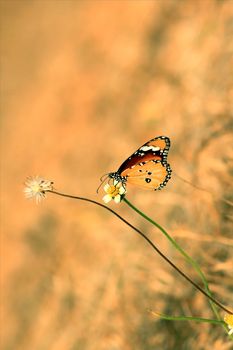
(105, 175)
(102, 179)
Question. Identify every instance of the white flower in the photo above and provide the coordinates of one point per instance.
(229, 320)
(36, 187)
(115, 192)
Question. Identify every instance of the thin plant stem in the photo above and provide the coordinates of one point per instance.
(186, 318)
(148, 241)
(190, 318)
(178, 247)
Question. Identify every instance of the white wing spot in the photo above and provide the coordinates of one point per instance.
(148, 148)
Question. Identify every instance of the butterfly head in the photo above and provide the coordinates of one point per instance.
(114, 178)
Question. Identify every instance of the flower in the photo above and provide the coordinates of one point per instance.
(36, 187)
(229, 321)
(115, 192)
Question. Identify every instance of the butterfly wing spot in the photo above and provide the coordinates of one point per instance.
(151, 175)
(148, 148)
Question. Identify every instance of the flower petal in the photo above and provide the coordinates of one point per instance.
(107, 198)
(106, 187)
(117, 199)
(122, 190)
(36, 187)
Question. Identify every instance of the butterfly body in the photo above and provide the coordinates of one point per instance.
(147, 167)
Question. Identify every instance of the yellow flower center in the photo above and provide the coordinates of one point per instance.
(229, 320)
(113, 191)
(36, 188)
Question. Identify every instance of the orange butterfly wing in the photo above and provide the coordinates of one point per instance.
(155, 149)
(162, 142)
(150, 175)
(147, 167)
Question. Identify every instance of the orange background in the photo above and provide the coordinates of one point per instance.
(83, 85)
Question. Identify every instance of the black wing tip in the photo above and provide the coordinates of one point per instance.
(162, 137)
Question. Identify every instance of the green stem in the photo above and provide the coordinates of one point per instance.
(148, 241)
(177, 246)
(186, 318)
(190, 318)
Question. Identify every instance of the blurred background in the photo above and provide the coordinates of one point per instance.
(83, 85)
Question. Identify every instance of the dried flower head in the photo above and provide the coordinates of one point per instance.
(36, 187)
(115, 192)
(229, 321)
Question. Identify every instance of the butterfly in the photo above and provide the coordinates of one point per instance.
(146, 168)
